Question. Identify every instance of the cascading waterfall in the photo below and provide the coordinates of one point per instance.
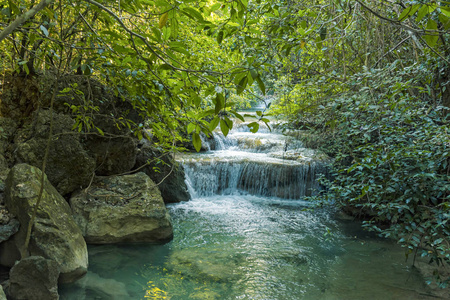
(259, 164)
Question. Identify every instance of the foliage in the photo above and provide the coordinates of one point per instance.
(369, 80)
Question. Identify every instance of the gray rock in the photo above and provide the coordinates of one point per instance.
(166, 171)
(34, 278)
(69, 166)
(55, 234)
(122, 209)
(8, 128)
(113, 155)
(9, 229)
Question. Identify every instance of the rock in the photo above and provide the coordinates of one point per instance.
(99, 288)
(2, 294)
(55, 234)
(69, 166)
(173, 188)
(8, 229)
(119, 209)
(34, 278)
(8, 128)
(9, 253)
(213, 266)
(113, 155)
(4, 170)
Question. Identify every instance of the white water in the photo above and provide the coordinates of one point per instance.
(265, 164)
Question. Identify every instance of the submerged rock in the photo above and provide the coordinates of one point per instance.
(119, 209)
(34, 278)
(55, 235)
(99, 288)
(212, 266)
(166, 171)
(68, 166)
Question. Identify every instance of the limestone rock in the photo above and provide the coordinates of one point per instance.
(55, 234)
(34, 278)
(173, 188)
(122, 209)
(69, 166)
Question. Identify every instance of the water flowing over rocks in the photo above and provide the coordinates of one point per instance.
(264, 164)
(120, 209)
(55, 234)
(34, 278)
(69, 166)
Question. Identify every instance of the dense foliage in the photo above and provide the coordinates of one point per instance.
(376, 98)
(369, 79)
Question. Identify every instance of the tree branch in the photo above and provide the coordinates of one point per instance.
(23, 18)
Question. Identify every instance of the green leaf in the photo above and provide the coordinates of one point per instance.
(431, 39)
(163, 20)
(237, 115)
(213, 124)
(425, 10)
(445, 11)
(220, 102)
(192, 13)
(254, 126)
(242, 85)
(409, 11)
(220, 37)
(224, 127)
(190, 128)
(196, 141)
(44, 30)
(261, 85)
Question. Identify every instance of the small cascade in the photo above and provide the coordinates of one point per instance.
(265, 164)
(284, 180)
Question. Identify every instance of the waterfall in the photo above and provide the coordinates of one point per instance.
(265, 164)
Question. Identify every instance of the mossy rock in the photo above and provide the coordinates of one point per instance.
(55, 234)
(121, 209)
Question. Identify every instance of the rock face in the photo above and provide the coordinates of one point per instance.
(69, 166)
(55, 234)
(173, 188)
(113, 155)
(34, 278)
(122, 209)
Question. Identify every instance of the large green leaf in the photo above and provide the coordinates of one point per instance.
(431, 39)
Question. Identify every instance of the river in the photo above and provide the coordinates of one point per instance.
(247, 233)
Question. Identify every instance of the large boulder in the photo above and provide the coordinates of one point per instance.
(55, 235)
(165, 171)
(69, 166)
(119, 209)
(34, 278)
